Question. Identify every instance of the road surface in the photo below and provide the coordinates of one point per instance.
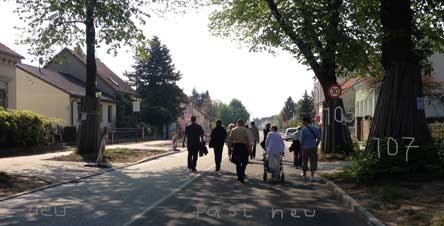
(162, 192)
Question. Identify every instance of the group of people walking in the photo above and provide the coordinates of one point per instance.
(242, 140)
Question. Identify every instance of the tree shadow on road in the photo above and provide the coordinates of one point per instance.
(218, 199)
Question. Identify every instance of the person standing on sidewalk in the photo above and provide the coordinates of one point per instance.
(240, 144)
(310, 138)
(217, 141)
(275, 150)
(296, 148)
(194, 137)
(255, 132)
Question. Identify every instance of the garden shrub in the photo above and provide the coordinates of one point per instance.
(24, 129)
(368, 165)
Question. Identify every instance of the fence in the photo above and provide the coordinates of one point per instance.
(437, 129)
(118, 135)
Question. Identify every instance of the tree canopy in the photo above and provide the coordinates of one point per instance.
(232, 112)
(55, 24)
(289, 110)
(305, 106)
(155, 79)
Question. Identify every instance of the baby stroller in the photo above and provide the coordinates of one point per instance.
(267, 169)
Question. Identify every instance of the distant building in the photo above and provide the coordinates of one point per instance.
(191, 109)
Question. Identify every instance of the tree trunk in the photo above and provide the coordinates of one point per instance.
(335, 132)
(88, 139)
(399, 112)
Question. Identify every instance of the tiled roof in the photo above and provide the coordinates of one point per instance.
(349, 83)
(106, 74)
(64, 82)
(7, 51)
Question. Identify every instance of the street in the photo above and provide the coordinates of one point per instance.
(162, 192)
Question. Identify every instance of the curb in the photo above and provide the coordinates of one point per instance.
(154, 157)
(357, 208)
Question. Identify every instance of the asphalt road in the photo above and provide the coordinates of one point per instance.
(162, 192)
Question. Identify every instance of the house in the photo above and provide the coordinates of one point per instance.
(8, 59)
(366, 96)
(349, 99)
(57, 89)
(318, 100)
(72, 65)
(435, 103)
(191, 109)
(57, 95)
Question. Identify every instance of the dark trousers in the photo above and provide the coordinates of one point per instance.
(218, 149)
(193, 152)
(297, 152)
(253, 153)
(240, 154)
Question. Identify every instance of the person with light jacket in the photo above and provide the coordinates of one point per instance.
(275, 150)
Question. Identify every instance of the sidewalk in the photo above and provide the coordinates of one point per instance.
(56, 171)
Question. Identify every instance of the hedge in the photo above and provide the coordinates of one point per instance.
(24, 129)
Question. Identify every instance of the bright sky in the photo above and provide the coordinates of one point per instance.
(226, 69)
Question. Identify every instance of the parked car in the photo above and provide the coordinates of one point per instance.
(289, 133)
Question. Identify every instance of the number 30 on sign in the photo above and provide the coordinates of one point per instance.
(334, 91)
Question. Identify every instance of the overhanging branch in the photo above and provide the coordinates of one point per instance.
(288, 30)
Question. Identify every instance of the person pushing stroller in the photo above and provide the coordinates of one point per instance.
(274, 146)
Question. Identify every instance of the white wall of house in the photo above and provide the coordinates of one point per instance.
(36, 95)
(107, 113)
(438, 66)
(435, 108)
(108, 118)
(348, 99)
(318, 99)
(365, 100)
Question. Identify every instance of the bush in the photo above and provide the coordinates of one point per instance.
(368, 165)
(23, 128)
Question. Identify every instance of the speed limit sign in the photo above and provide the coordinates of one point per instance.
(334, 91)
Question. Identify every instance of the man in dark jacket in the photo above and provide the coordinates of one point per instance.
(194, 137)
(255, 132)
(266, 131)
(218, 136)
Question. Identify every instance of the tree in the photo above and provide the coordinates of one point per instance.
(289, 110)
(238, 110)
(83, 22)
(155, 78)
(209, 108)
(232, 112)
(224, 113)
(305, 106)
(320, 34)
(407, 33)
(125, 117)
(196, 97)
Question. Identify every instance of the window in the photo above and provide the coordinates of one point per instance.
(110, 113)
(100, 113)
(3, 98)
